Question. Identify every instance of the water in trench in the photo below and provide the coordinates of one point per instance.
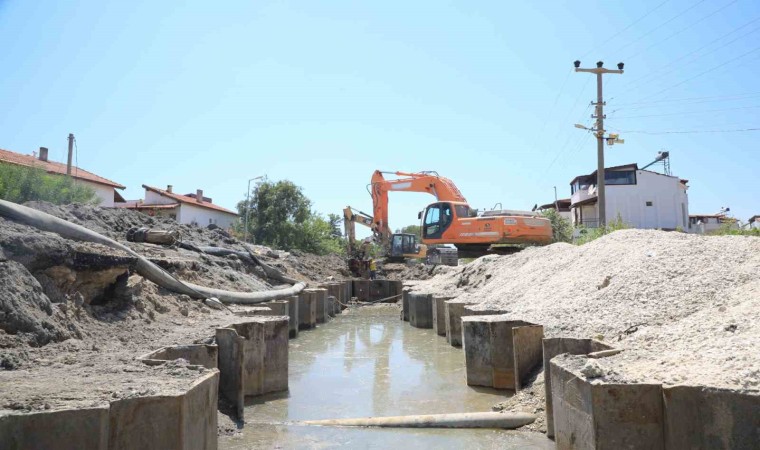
(366, 362)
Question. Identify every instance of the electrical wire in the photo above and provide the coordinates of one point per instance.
(691, 24)
(660, 25)
(624, 29)
(737, 130)
(687, 101)
(702, 73)
(688, 112)
(554, 105)
(660, 72)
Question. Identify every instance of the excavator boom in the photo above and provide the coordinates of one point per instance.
(451, 220)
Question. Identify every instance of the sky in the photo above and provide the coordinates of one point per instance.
(207, 95)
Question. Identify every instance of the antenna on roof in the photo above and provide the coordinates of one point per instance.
(664, 158)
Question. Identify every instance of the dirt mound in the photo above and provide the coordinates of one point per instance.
(74, 315)
(681, 305)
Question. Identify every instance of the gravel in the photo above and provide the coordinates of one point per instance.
(684, 307)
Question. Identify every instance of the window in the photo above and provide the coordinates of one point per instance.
(432, 216)
(650, 203)
(620, 177)
(463, 211)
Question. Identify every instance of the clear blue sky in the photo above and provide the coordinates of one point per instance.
(209, 94)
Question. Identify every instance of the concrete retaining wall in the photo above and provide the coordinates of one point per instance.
(253, 358)
(597, 414)
(195, 354)
(593, 414)
(405, 304)
(376, 290)
(320, 296)
(500, 353)
(293, 315)
(556, 346)
(439, 314)
(187, 421)
(420, 310)
(454, 310)
(307, 309)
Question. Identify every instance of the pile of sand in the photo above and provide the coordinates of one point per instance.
(683, 306)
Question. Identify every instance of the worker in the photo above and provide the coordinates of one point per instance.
(372, 269)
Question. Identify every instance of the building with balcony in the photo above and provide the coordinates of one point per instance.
(641, 198)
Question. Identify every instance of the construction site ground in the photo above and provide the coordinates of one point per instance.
(682, 307)
(67, 343)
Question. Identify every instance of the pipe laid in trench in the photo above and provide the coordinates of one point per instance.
(147, 269)
(458, 420)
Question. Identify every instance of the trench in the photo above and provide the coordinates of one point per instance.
(367, 362)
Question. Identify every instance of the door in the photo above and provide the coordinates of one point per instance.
(438, 217)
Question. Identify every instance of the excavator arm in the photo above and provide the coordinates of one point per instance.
(430, 182)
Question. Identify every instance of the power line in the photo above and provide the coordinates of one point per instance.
(660, 41)
(691, 100)
(702, 73)
(660, 73)
(688, 112)
(660, 26)
(554, 105)
(738, 130)
(625, 29)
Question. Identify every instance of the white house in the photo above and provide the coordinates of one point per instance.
(105, 189)
(641, 198)
(191, 209)
(754, 222)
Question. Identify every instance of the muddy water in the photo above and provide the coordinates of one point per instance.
(367, 362)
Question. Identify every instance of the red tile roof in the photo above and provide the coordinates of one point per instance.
(54, 167)
(188, 200)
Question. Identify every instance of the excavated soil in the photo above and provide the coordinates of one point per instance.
(75, 316)
(683, 307)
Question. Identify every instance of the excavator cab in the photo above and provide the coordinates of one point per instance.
(404, 245)
(439, 217)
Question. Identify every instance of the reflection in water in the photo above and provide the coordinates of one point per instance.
(367, 362)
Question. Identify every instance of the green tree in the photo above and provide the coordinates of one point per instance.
(21, 184)
(336, 222)
(562, 229)
(412, 229)
(280, 216)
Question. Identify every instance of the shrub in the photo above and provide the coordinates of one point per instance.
(21, 184)
(589, 234)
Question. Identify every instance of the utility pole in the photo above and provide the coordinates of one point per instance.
(71, 154)
(555, 194)
(599, 131)
(248, 207)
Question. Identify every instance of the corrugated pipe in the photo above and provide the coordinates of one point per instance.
(147, 269)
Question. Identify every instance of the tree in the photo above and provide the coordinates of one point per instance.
(562, 230)
(21, 184)
(280, 216)
(335, 223)
(412, 229)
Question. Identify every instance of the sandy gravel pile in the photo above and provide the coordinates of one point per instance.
(684, 307)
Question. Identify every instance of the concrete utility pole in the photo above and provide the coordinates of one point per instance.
(599, 131)
(71, 154)
(248, 207)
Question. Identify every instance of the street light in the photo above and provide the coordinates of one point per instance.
(248, 206)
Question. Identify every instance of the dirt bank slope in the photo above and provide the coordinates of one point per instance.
(74, 316)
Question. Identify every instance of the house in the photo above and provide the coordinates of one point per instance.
(641, 198)
(191, 209)
(753, 222)
(705, 223)
(562, 206)
(105, 189)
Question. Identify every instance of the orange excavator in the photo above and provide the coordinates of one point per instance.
(450, 220)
